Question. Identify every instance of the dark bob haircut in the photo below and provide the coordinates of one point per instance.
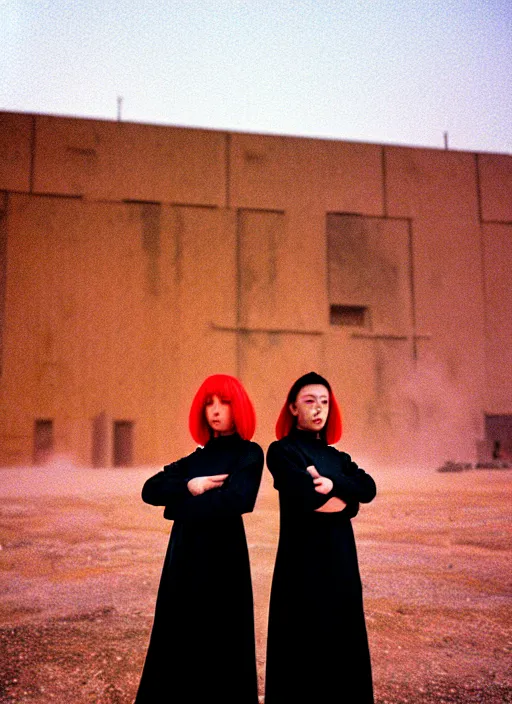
(331, 432)
(228, 388)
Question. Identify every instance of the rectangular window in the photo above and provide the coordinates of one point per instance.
(357, 316)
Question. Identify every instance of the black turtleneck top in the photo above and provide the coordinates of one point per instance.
(227, 454)
(287, 460)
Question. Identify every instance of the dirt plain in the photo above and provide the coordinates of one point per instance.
(81, 555)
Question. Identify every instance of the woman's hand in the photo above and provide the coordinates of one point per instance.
(199, 485)
(332, 505)
(322, 484)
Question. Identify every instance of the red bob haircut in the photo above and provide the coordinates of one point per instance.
(225, 387)
(331, 432)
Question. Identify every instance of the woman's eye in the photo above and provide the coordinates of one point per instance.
(226, 402)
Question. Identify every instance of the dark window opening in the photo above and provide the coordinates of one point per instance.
(357, 316)
(123, 443)
(43, 441)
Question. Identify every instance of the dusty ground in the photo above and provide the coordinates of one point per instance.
(81, 557)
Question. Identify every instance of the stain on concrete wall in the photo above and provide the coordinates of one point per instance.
(150, 217)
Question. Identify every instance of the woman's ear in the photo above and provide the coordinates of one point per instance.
(293, 409)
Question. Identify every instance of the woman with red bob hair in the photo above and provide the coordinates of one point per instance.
(227, 387)
(202, 645)
(317, 648)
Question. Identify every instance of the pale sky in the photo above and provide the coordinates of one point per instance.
(386, 71)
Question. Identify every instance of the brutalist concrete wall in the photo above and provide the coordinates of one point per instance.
(137, 259)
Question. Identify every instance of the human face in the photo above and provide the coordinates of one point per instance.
(219, 415)
(311, 407)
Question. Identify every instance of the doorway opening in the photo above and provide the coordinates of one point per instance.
(43, 441)
(123, 443)
(498, 434)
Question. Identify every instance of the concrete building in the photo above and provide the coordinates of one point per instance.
(137, 259)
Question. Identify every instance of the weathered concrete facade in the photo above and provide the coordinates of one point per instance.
(137, 259)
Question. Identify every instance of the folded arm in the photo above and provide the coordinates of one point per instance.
(292, 479)
(234, 495)
(353, 484)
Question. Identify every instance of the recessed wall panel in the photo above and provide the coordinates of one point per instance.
(369, 265)
(498, 319)
(281, 271)
(285, 173)
(80, 334)
(111, 311)
(205, 337)
(3, 271)
(124, 161)
(430, 183)
(495, 171)
(15, 151)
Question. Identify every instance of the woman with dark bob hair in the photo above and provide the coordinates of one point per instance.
(317, 643)
(202, 644)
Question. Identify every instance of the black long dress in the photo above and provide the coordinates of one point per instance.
(202, 646)
(317, 650)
